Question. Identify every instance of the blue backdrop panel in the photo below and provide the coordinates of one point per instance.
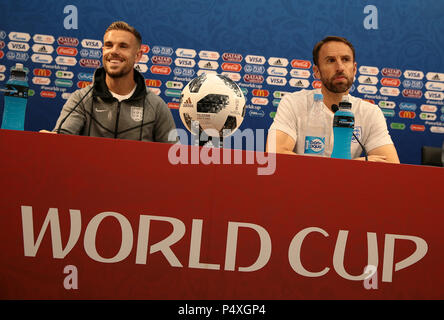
(399, 47)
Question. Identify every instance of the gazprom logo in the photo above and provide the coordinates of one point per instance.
(436, 86)
(186, 53)
(276, 71)
(367, 89)
(19, 36)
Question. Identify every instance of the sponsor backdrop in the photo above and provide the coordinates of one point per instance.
(264, 46)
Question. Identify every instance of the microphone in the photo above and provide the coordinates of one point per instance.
(72, 110)
(345, 104)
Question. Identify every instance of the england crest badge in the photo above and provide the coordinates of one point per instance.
(136, 113)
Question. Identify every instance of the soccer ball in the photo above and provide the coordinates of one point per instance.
(214, 102)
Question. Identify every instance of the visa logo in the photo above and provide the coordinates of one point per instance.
(190, 63)
(277, 81)
(410, 74)
(93, 44)
(185, 63)
(18, 46)
(255, 59)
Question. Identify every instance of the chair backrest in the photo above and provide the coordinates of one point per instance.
(432, 156)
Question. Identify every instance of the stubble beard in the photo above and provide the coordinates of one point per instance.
(337, 88)
(117, 74)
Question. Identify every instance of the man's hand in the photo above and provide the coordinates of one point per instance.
(46, 131)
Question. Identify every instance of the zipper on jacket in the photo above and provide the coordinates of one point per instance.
(117, 120)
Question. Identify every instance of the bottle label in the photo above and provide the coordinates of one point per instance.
(343, 121)
(314, 145)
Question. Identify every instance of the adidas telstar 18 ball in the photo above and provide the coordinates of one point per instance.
(215, 101)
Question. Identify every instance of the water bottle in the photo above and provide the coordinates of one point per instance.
(316, 132)
(16, 97)
(343, 125)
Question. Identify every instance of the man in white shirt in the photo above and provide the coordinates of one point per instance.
(335, 65)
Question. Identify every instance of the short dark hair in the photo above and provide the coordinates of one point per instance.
(318, 46)
(121, 25)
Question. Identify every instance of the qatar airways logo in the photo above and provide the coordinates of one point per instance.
(163, 60)
(232, 57)
(139, 243)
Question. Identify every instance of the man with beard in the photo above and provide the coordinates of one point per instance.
(117, 104)
(335, 65)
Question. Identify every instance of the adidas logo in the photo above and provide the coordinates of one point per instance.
(436, 77)
(43, 50)
(278, 62)
(368, 80)
(187, 103)
(208, 65)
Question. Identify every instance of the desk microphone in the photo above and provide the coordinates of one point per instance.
(72, 110)
(335, 108)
